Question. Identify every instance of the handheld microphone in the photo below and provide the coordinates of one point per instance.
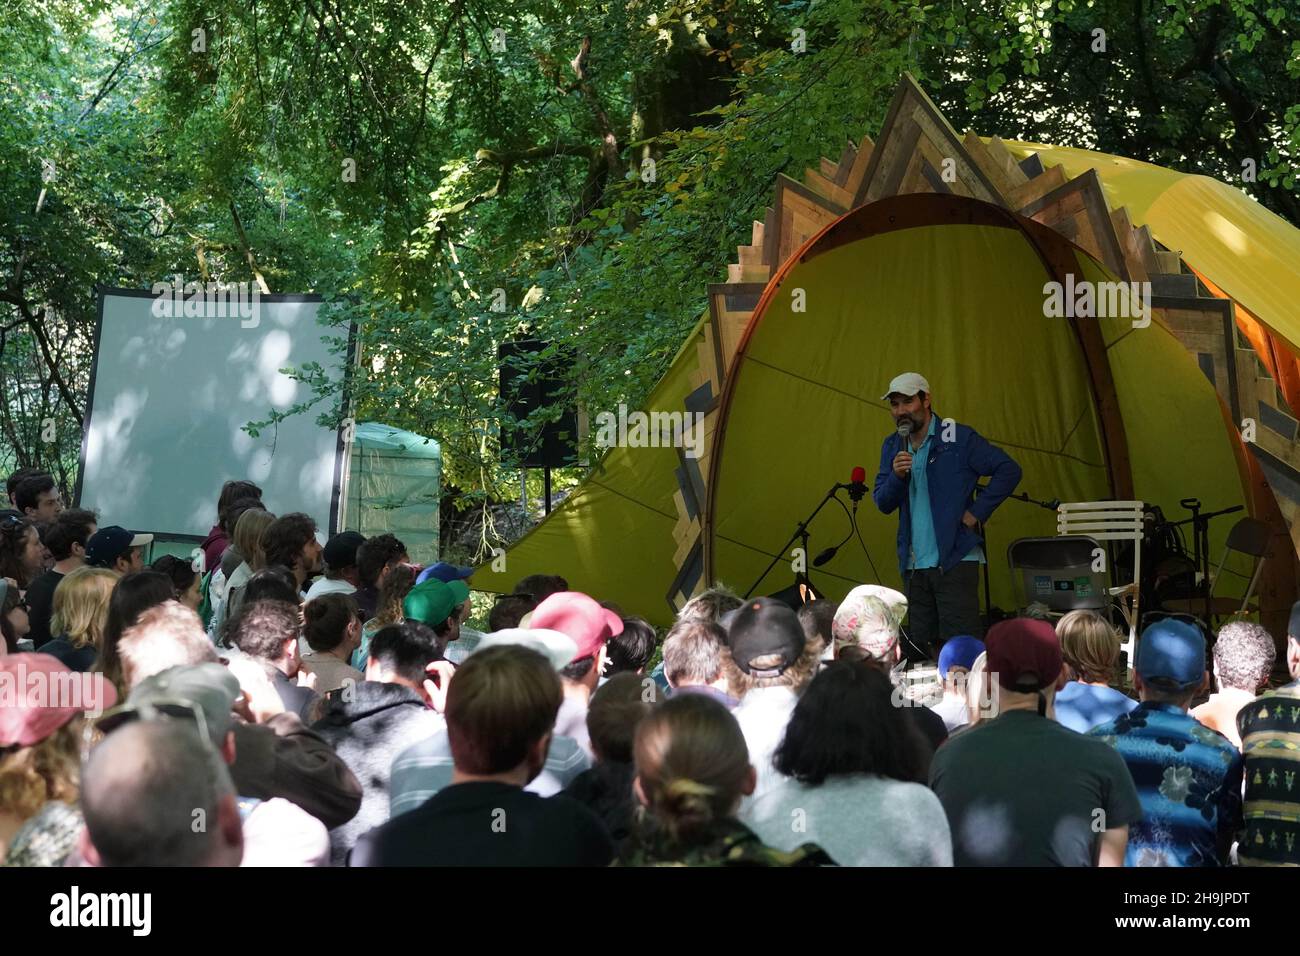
(904, 430)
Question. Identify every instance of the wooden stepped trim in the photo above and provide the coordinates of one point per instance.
(909, 157)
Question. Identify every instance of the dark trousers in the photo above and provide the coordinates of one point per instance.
(942, 604)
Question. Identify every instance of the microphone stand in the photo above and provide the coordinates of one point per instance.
(800, 534)
(983, 533)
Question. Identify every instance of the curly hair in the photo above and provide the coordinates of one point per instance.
(13, 542)
(397, 583)
(49, 770)
(1243, 656)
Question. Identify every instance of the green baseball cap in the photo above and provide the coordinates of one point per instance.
(432, 601)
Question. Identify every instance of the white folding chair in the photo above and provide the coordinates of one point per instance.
(1110, 521)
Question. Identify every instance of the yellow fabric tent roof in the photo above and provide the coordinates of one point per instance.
(614, 535)
(1249, 252)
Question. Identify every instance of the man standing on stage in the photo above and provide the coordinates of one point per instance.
(930, 476)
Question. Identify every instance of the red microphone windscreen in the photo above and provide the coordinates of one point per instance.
(859, 475)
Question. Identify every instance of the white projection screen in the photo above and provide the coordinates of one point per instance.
(169, 397)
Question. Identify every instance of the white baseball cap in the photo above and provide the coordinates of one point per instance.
(909, 383)
(556, 647)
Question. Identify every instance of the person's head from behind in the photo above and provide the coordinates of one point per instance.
(392, 594)
(38, 498)
(274, 582)
(847, 722)
(817, 618)
(1090, 646)
(1024, 665)
(437, 604)
(233, 491)
(377, 557)
(229, 517)
(401, 654)
(870, 618)
(67, 535)
(143, 789)
(291, 540)
(40, 742)
(132, 596)
(1169, 667)
(169, 635)
(630, 652)
(248, 536)
(956, 659)
(710, 605)
(22, 555)
(587, 624)
(541, 586)
(501, 710)
(616, 708)
(268, 631)
(692, 766)
(693, 654)
(185, 580)
(80, 606)
(508, 610)
(18, 477)
(332, 624)
(1243, 657)
(766, 647)
(340, 556)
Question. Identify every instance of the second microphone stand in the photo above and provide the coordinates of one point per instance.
(801, 535)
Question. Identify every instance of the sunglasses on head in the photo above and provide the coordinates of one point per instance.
(176, 709)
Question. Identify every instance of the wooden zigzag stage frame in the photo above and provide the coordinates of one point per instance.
(919, 152)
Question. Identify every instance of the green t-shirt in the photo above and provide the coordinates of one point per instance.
(1021, 790)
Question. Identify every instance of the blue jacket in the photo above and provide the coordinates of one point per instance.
(951, 472)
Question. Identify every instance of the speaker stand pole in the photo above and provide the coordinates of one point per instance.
(546, 486)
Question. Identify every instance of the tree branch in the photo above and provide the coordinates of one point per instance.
(248, 250)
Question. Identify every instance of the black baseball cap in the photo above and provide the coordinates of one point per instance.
(341, 550)
(108, 544)
(765, 627)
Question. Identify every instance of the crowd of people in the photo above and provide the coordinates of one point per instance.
(326, 702)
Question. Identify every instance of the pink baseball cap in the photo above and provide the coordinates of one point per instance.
(39, 694)
(580, 617)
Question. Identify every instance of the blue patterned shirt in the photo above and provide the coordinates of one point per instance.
(1188, 778)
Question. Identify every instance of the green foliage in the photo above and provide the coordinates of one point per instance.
(599, 167)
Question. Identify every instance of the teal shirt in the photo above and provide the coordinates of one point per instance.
(925, 546)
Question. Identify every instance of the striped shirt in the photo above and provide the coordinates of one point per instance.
(423, 769)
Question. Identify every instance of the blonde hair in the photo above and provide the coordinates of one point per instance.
(692, 762)
(80, 608)
(710, 605)
(248, 537)
(49, 770)
(1089, 644)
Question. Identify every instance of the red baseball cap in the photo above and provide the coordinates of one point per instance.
(39, 694)
(580, 617)
(1024, 653)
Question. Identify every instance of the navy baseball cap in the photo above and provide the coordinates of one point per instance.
(108, 544)
(444, 572)
(1171, 650)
